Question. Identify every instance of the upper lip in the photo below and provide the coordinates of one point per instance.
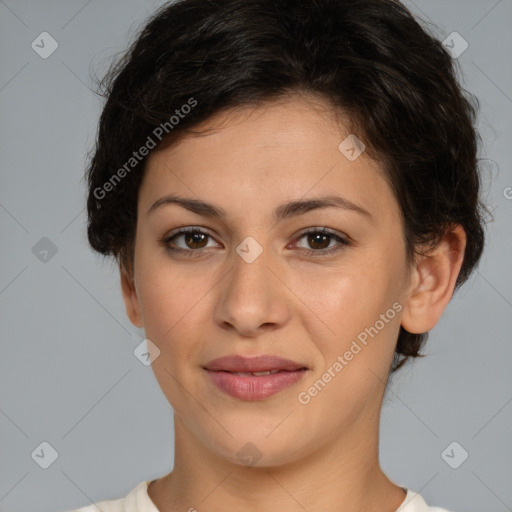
(236, 363)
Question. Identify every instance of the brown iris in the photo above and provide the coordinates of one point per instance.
(193, 238)
(314, 239)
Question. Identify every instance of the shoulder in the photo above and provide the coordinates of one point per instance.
(414, 502)
(137, 500)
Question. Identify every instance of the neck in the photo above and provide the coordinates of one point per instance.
(343, 474)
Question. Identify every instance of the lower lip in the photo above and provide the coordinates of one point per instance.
(254, 387)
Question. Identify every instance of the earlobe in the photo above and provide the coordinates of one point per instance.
(131, 301)
(433, 282)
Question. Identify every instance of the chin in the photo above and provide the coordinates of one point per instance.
(257, 448)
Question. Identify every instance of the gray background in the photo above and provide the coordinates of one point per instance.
(67, 369)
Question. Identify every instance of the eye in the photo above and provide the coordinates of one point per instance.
(193, 241)
(320, 240)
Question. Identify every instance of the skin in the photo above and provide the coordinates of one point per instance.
(304, 307)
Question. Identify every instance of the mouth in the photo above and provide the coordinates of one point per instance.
(253, 365)
(254, 378)
(258, 374)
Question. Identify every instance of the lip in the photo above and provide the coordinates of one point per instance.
(236, 363)
(223, 373)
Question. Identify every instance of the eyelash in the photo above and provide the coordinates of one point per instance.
(309, 252)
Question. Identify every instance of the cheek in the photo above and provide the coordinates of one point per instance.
(166, 289)
(168, 299)
(167, 306)
(169, 302)
(345, 304)
(346, 294)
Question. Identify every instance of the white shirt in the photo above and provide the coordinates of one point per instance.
(138, 500)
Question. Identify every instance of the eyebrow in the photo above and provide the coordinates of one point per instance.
(284, 211)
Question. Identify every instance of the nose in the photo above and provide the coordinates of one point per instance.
(252, 299)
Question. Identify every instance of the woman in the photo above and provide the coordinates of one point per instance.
(290, 190)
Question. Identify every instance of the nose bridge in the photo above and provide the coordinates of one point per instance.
(250, 275)
(250, 298)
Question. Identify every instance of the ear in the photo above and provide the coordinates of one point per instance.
(131, 301)
(433, 282)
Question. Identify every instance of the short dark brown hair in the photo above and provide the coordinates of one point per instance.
(370, 59)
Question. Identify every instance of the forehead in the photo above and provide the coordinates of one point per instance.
(249, 158)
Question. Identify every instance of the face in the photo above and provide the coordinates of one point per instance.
(320, 285)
